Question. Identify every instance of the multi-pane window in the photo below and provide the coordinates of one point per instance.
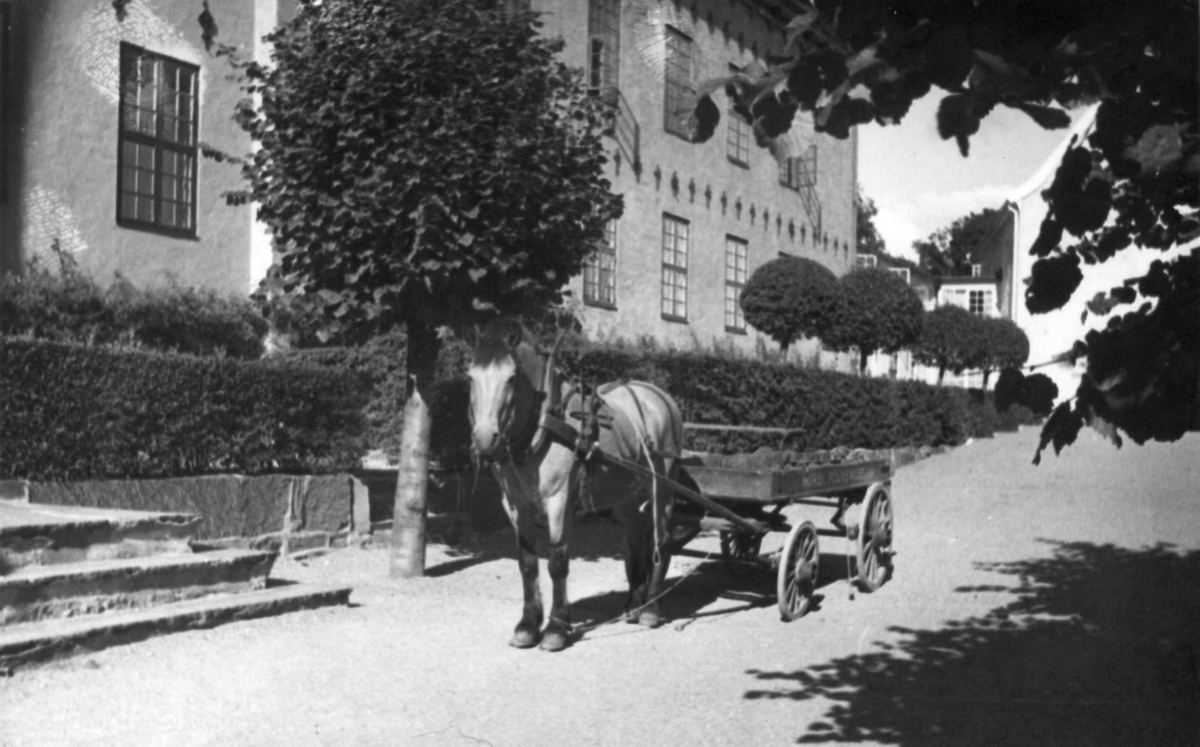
(976, 271)
(740, 132)
(979, 302)
(604, 43)
(735, 280)
(674, 268)
(678, 75)
(156, 180)
(865, 260)
(600, 271)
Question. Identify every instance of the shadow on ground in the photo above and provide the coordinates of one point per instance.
(1099, 645)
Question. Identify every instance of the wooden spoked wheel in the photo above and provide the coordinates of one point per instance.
(798, 569)
(740, 546)
(874, 547)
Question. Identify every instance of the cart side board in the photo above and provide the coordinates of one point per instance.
(777, 485)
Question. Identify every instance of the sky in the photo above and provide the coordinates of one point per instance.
(921, 183)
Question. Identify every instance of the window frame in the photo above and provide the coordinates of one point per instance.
(187, 150)
(736, 283)
(987, 301)
(677, 92)
(673, 271)
(595, 285)
(604, 26)
(739, 132)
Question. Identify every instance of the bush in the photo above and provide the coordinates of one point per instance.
(69, 306)
(70, 412)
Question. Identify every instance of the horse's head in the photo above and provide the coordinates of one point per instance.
(499, 387)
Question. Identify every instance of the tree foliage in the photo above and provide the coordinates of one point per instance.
(949, 251)
(878, 312)
(1004, 345)
(790, 297)
(1131, 182)
(869, 240)
(399, 186)
(950, 340)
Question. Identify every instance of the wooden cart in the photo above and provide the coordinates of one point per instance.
(744, 504)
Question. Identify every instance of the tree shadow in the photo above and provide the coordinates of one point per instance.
(1098, 646)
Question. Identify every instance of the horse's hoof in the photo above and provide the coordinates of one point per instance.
(554, 642)
(524, 639)
(650, 619)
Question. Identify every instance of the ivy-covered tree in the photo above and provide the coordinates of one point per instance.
(790, 297)
(1131, 183)
(879, 311)
(951, 339)
(948, 251)
(1005, 345)
(408, 184)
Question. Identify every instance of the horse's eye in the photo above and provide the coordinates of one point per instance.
(512, 379)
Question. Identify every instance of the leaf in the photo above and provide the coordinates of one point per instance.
(949, 55)
(956, 118)
(1086, 210)
(1052, 282)
(1049, 237)
(1061, 430)
(1160, 147)
(1048, 117)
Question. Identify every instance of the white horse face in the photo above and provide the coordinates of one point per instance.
(493, 384)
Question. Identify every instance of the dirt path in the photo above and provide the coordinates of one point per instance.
(1029, 606)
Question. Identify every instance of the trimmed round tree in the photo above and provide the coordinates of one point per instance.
(791, 297)
(950, 340)
(1005, 346)
(425, 163)
(879, 312)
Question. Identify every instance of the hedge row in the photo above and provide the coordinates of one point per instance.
(69, 412)
(69, 306)
(831, 409)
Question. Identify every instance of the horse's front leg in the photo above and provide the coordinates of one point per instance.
(525, 635)
(561, 521)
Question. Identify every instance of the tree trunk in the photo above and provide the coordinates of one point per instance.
(408, 519)
(987, 372)
(863, 355)
(941, 374)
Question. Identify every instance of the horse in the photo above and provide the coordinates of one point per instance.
(527, 426)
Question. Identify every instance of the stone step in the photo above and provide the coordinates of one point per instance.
(38, 534)
(36, 592)
(48, 639)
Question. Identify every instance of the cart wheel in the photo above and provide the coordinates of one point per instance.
(798, 568)
(875, 539)
(740, 546)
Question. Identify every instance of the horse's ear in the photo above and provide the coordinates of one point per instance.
(513, 335)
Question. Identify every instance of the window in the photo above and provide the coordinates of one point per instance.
(865, 260)
(740, 131)
(979, 302)
(735, 280)
(156, 178)
(600, 271)
(976, 271)
(902, 272)
(678, 74)
(799, 172)
(604, 43)
(674, 268)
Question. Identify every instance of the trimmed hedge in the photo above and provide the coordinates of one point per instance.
(833, 409)
(72, 307)
(69, 412)
(382, 361)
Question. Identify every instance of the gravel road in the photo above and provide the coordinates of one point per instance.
(1030, 605)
